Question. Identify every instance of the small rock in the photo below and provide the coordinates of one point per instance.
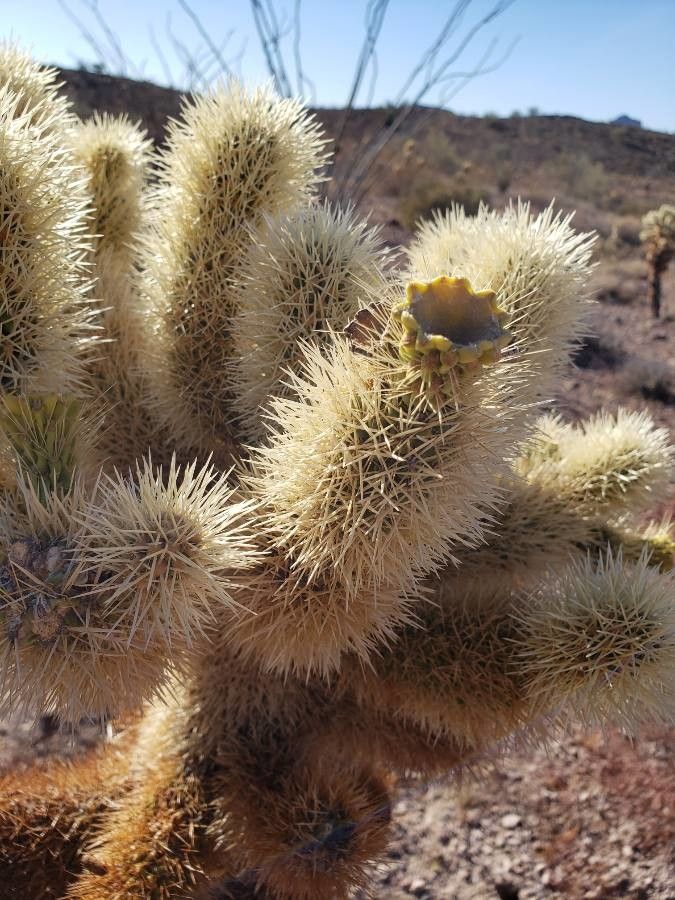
(510, 820)
(418, 887)
(507, 891)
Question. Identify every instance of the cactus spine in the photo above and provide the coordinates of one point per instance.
(231, 159)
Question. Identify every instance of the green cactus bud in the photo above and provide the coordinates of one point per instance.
(44, 432)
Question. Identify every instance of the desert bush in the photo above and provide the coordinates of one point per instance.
(426, 196)
(579, 177)
(651, 379)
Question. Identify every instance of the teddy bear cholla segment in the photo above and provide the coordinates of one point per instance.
(400, 578)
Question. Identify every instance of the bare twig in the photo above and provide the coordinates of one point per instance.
(365, 181)
(270, 34)
(375, 15)
(300, 75)
(166, 68)
(353, 185)
(433, 69)
(206, 37)
(108, 49)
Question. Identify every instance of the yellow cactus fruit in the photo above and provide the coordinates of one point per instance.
(43, 279)
(45, 434)
(601, 640)
(305, 274)
(537, 266)
(446, 324)
(234, 158)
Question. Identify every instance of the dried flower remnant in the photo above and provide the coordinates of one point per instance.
(446, 324)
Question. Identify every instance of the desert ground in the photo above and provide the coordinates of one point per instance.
(593, 815)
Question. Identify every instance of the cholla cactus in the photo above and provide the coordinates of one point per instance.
(115, 156)
(305, 274)
(658, 236)
(232, 159)
(405, 567)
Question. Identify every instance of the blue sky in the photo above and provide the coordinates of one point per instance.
(590, 58)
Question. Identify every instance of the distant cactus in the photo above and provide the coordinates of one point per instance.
(658, 236)
(288, 519)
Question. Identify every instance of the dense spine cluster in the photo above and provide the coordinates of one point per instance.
(286, 519)
(232, 159)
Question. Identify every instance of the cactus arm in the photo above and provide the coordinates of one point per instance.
(602, 641)
(103, 591)
(232, 159)
(538, 267)
(48, 813)
(44, 321)
(609, 464)
(36, 89)
(114, 155)
(147, 845)
(304, 274)
(376, 470)
(595, 642)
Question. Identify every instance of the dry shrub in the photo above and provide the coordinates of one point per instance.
(652, 379)
(578, 176)
(427, 195)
